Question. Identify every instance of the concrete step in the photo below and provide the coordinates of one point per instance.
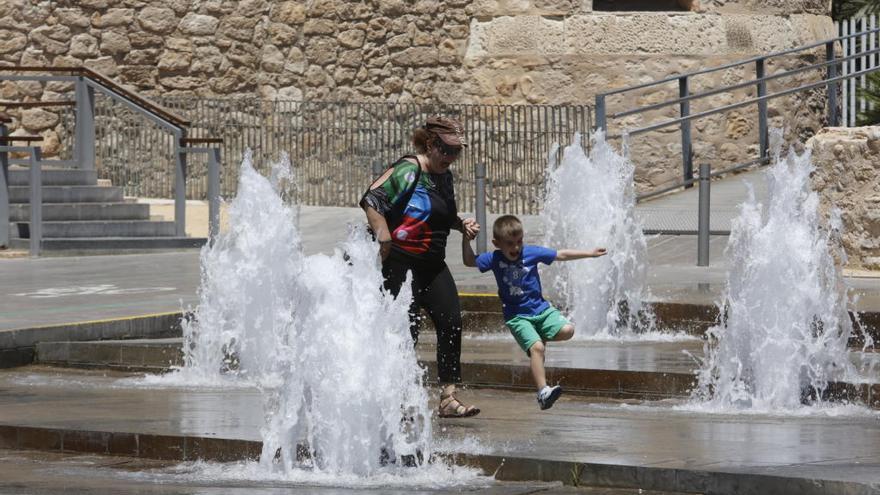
(650, 374)
(97, 228)
(68, 194)
(608, 447)
(110, 245)
(83, 211)
(54, 177)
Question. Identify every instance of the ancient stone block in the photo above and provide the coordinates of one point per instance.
(180, 7)
(149, 56)
(392, 8)
(289, 13)
(281, 34)
(83, 45)
(324, 8)
(38, 119)
(234, 80)
(103, 65)
(846, 177)
(142, 39)
(11, 41)
(71, 17)
(272, 59)
(315, 76)
(113, 17)
(350, 58)
(357, 11)
(344, 75)
(241, 55)
(31, 58)
(296, 61)
(392, 85)
(182, 82)
(51, 144)
(252, 8)
(138, 75)
(353, 38)
(179, 44)
(321, 51)
(399, 41)
(171, 60)
(113, 42)
(290, 93)
(319, 26)
(422, 38)
(238, 27)
(378, 28)
(418, 56)
(206, 59)
(429, 7)
(158, 19)
(94, 4)
(198, 24)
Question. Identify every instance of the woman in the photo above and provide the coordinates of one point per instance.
(411, 209)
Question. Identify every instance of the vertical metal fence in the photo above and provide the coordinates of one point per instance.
(335, 146)
(852, 103)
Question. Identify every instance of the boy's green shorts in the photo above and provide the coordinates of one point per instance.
(530, 329)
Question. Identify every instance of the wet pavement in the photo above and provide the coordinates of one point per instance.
(665, 438)
(49, 473)
(51, 291)
(836, 443)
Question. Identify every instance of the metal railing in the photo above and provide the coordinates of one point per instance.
(35, 194)
(830, 82)
(864, 46)
(83, 143)
(334, 146)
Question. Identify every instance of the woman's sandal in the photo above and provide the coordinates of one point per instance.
(450, 407)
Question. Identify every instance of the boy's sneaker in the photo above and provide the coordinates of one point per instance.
(548, 395)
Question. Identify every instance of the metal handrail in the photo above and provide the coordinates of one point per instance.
(86, 83)
(830, 80)
(740, 62)
(145, 104)
(757, 99)
(744, 84)
(35, 220)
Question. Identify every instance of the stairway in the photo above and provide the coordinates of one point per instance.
(79, 216)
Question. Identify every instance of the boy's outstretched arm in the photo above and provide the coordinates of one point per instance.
(467, 253)
(575, 254)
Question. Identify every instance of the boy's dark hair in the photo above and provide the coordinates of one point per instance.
(507, 226)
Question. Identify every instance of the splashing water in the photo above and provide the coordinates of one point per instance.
(329, 351)
(590, 203)
(786, 328)
(249, 276)
(351, 392)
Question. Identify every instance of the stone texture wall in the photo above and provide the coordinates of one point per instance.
(848, 177)
(461, 51)
(322, 49)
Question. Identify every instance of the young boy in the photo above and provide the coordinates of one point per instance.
(530, 318)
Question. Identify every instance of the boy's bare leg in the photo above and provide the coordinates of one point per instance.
(564, 333)
(536, 357)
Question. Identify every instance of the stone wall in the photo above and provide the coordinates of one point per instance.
(460, 51)
(848, 177)
(322, 49)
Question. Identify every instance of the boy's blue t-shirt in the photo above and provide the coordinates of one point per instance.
(519, 285)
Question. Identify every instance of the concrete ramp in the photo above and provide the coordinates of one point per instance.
(676, 212)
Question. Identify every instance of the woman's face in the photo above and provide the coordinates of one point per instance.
(442, 155)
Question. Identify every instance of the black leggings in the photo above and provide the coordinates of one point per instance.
(433, 289)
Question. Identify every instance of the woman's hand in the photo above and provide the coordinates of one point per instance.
(380, 229)
(470, 228)
(384, 248)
